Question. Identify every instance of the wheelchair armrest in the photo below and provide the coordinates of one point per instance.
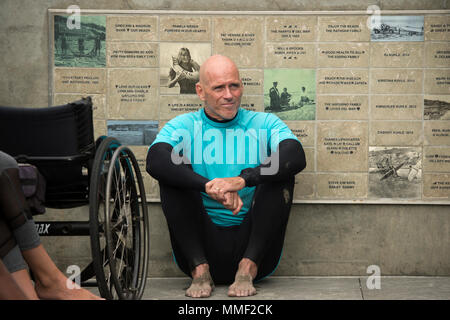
(72, 158)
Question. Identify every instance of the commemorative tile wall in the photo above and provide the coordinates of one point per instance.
(368, 98)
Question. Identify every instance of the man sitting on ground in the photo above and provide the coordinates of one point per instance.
(226, 179)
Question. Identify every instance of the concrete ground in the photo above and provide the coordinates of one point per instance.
(314, 288)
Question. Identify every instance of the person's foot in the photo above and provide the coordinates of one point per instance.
(242, 286)
(202, 284)
(63, 289)
(243, 282)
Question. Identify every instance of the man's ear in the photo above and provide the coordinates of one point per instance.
(199, 90)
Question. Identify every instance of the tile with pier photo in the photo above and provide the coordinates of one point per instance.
(436, 107)
(290, 93)
(396, 28)
(79, 44)
(395, 172)
(133, 132)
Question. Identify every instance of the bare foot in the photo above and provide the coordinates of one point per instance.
(243, 281)
(202, 284)
(60, 291)
(242, 286)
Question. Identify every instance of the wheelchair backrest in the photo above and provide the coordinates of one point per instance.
(58, 140)
(54, 131)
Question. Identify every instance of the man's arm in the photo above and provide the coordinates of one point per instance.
(161, 167)
(291, 160)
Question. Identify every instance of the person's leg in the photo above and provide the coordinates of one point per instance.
(50, 282)
(183, 210)
(262, 235)
(17, 267)
(14, 215)
(9, 290)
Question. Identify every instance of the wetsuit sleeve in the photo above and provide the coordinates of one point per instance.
(161, 167)
(291, 160)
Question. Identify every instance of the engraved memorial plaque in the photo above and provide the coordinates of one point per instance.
(396, 107)
(252, 81)
(436, 159)
(397, 55)
(437, 54)
(436, 186)
(131, 28)
(347, 107)
(343, 55)
(396, 81)
(437, 81)
(133, 94)
(174, 28)
(303, 130)
(437, 28)
(291, 29)
(342, 81)
(437, 133)
(241, 39)
(289, 55)
(79, 80)
(132, 54)
(396, 133)
(342, 146)
(342, 186)
(172, 106)
(343, 28)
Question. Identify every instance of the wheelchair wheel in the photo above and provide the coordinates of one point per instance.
(119, 222)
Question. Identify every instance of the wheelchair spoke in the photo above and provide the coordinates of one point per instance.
(121, 225)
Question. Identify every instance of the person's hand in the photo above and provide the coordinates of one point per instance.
(224, 191)
(233, 202)
(179, 76)
(219, 186)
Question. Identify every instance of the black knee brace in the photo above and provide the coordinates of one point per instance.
(13, 205)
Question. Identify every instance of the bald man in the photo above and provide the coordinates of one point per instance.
(226, 179)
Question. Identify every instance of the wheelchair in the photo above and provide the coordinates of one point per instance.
(78, 171)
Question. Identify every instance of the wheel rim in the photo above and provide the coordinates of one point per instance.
(126, 242)
(97, 217)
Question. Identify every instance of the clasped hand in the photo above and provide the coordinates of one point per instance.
(225, 191)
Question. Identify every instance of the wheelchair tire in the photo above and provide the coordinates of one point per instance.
(118, 222)
(127, 225)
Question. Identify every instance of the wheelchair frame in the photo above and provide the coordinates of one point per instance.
(118, 219)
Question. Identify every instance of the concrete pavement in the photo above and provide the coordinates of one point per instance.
(314, 288)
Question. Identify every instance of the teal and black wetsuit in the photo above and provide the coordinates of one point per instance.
(193, 149)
